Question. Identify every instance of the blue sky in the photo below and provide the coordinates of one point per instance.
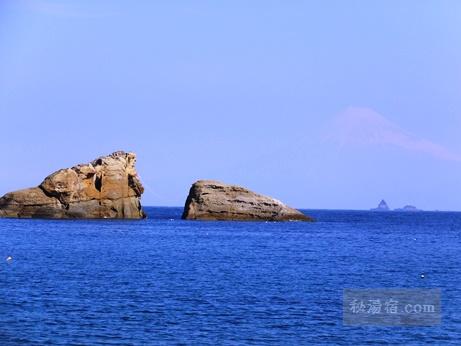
(322, 104)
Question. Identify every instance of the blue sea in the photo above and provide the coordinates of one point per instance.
(165, 281)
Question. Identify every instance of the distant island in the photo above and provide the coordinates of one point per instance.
(408, 208)
(383, 206)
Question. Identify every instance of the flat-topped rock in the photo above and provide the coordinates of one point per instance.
(108, 187)
(213, 200)
(408, 208)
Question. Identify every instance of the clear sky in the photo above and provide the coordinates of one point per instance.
(321, 104)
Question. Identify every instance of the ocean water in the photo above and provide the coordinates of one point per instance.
(168, 281)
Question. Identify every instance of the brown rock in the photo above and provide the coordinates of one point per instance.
(108, 187)
(213, 200)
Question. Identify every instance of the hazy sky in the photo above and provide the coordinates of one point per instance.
(322, 104)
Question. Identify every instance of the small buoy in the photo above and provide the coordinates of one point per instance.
(422, 276)
(9, 258)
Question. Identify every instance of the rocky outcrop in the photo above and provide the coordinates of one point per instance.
(108, 187)
(382, 206)
(213, 200)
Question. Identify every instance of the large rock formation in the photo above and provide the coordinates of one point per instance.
(213, 200)
(108, 187)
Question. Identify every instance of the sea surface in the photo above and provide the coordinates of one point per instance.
(165, 281)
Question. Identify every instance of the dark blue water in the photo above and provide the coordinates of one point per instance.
(168, 281)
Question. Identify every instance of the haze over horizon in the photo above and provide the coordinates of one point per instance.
(321, 106)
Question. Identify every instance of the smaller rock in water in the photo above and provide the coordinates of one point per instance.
(213, 200)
